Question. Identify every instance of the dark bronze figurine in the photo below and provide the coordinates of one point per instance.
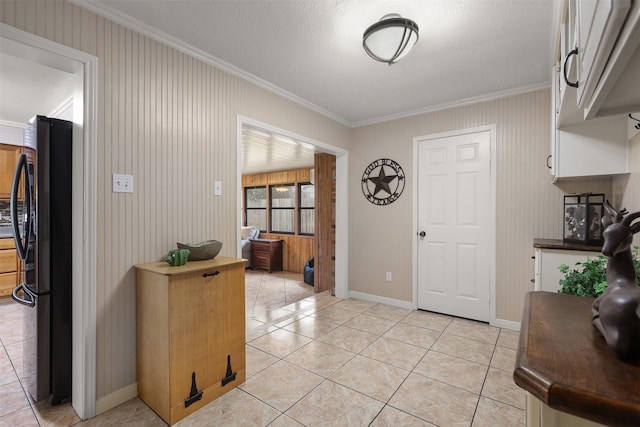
(616, 313)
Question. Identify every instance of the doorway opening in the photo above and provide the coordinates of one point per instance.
(311, 146)
(83, 68)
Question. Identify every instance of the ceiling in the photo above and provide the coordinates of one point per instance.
(28, 88)
(310, 51)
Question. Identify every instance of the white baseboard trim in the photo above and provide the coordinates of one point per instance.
(382, 300)
(500, 323)
(116, 398)
(506, 324)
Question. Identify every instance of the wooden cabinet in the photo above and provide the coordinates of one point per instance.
(8, 159)
(191, 331)
(8, 266)
(266, 254)
(572, 377)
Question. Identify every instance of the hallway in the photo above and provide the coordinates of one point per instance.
(316, 360)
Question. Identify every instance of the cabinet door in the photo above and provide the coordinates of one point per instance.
(8, 261)
(548, 263)
(594, 147)
(599, 23)
(8, 160)
(207, 325)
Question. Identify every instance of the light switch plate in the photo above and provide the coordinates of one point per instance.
(217, 188)
(122, 183)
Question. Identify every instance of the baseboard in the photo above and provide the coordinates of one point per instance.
(116, 398)
(500, 323)
(382, 300)
(506, 324)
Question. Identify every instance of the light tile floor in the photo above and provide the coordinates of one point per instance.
(316, 360)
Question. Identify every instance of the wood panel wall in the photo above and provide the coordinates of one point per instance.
(325, 245)
(296, 249)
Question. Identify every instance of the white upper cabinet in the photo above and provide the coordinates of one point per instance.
(585, 147)
(598, 24)
(600, 59)
(594, 87)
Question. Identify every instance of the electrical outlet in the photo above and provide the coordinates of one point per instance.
(388, 276)
(122, 183)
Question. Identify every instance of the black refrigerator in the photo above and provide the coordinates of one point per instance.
(41, 221)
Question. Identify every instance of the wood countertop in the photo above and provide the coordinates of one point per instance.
(564, 362)
(561, 244)
(162, 267)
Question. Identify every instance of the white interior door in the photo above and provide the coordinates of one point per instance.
(455, 214)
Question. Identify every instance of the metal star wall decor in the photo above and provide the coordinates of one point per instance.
(382, 182)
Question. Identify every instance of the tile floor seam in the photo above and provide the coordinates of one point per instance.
(462, 358)
(390, 397)
(302, 397)
(484, 381)
(401, 384)
(502, 403)
(472, 339)
(262, 401)
(413, 415)
(29, 401)
(446, 383)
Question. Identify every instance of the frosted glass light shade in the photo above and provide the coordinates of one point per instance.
(390, 39)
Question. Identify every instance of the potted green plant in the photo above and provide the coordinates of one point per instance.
(589, 278)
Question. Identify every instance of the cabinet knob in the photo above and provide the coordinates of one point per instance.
(566, 61)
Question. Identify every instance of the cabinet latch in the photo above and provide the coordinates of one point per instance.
(195, 395)
(230, 374)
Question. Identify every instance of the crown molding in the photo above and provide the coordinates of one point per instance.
(460, 103)
(12, 124)
(147, 30)
(175, 43)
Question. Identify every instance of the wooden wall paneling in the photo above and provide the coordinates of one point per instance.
(295, 252)
(296, 249)
(324, 251)
(303, 175)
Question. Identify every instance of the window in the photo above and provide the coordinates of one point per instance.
(283, 207)
(255, 202)
(306, 212)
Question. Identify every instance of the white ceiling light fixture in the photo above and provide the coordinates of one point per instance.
(390, 39)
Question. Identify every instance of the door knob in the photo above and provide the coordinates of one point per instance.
(422, 234)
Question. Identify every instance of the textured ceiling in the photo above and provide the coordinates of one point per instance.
(312, 49)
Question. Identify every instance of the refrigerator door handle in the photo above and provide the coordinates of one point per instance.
(20, 168)
(28, 300)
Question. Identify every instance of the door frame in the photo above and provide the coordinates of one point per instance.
(492, 241)
(342, 208)
(84, 199)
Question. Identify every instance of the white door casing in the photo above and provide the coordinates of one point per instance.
(84, 280)
(455, 209)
